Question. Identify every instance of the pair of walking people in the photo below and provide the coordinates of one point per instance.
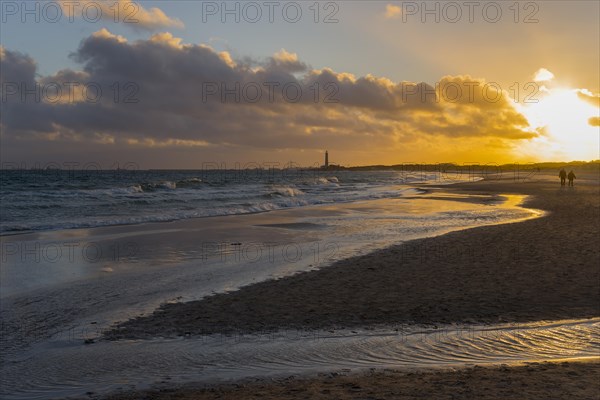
(564, 176)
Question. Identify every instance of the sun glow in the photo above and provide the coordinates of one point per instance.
(564, 119)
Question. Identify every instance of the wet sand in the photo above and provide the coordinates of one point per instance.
(540, 269)
(561, 380)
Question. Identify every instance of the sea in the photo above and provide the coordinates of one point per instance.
(41, 200)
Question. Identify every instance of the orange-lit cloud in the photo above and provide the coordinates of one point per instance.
(392, 11)
(589, 97)
(124, 11)
(167, 38)
(543, 75)
(594, 100)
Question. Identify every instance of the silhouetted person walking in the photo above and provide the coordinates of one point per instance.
(563, 176)
(571, 176)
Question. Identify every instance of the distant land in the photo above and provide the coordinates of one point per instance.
(441, 167)
(435, 167)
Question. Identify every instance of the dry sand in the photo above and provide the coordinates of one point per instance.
(540, 269)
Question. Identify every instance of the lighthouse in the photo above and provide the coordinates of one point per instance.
(326, 159)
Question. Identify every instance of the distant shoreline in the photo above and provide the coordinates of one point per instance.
(413, 166)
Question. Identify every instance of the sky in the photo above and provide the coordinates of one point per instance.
(183, 84)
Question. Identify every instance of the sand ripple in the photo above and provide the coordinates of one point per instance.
(67, 368)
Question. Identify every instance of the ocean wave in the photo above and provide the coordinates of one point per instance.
(172, 195)
(160, 185)
(331, 181)
(285, 191)
(136, 189)
(190, 182)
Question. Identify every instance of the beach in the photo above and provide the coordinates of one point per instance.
(491, 283)
(535, 270)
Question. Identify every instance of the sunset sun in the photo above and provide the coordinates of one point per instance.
(565, 116)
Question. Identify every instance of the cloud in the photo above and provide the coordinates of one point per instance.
(594, 100)
(168, 143)
(392, 11)
(167, 39)
(543, 75)
(105, 34)
(285, 62)
(162, 93)
(285, 57)
(589, 97)
(125, 11)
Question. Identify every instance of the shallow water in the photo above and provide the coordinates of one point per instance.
(270, 243)
(67, 368)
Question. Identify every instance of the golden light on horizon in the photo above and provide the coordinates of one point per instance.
(564, 117)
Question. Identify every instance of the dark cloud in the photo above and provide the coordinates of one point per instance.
(160, 92)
